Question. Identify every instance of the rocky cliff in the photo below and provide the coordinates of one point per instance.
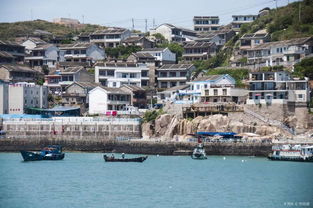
(168, 126)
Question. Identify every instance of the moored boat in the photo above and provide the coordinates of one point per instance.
(299, 153)
(113, 159)
(52, 152)
(199, 152)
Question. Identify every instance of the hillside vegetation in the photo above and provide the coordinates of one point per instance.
(9, 31)
(291, 21)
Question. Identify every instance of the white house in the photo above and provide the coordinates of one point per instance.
(239, 20)
(110, 37)
(81, 52)
(161, 55)
(118, 74)
(104, 99)
(198, 86)
(276, 88)
(43, 55)
(32, 43)
(206, 23)
(173, 33)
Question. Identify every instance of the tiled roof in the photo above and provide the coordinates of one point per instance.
(42, 47)
(65, 64)
(144, 55)
(295, 41)
(118, 64)
(180, 87)
(87, 85)
(151, 49)
(175, 66)
(36, 40)
(6, 54)
(18, 68)
(198, 45)
(208, 78)
(72, 70)
(132, 39)
(134, 87)
(114, 90)
(109, 31)
(75, 46)
(10, 43)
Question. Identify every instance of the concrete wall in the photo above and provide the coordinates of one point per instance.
(4, 98)
(97, 101)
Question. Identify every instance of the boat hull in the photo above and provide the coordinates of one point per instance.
(37, 156)
(137, 159)
(295, 159)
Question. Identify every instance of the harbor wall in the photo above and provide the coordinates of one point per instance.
(136, 147)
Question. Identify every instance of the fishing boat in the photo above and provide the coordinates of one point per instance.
(113, 159)
(288, 152)
(51, 152)
(199, 152)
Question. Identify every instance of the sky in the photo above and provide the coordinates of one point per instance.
(120, 13)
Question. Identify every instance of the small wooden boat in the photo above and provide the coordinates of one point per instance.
(199, 152)
(52, 152)
(113, 159)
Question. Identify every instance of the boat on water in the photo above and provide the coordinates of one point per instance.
(199, 151)
(123, 159)
(288, 152)
(51, 152)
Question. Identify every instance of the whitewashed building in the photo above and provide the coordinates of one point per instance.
(239, 20)
(104, 99)
(81, 52)
(110, 37)
(43, 55)
(118, 74)
(276, 88)
(32, 43)
(20, 96)
(161, 55)
(206, 23)
(174, 34)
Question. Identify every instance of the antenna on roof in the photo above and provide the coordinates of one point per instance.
(133, 24)
(153, 23)
(146, 21)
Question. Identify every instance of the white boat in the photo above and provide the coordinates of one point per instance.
(288, 152)
(199, 152)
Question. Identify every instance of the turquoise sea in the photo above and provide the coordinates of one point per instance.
(84, 180)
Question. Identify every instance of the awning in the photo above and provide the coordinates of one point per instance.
(257, 94)
(269, 95)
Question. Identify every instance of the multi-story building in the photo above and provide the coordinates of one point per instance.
(18, 73)
(171, 75)
(103, 99)
(18, 97)
(4, 97)
(84, 37)
(31, 43)
(194, 51)
(81, 52)
(250, 40)
(111, 37)
(276, 88)
(58, 81)
(161, 55)
(239, 20)
(11, 52)
(118, 74)
(76, 94)
(138, 95)
(219, 37)
(286, 53)
(174, 34)
(43, 55)
(198, 87)
(69, 22)
(142, 41)
(206, 23)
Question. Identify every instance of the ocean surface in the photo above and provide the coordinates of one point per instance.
(84, 180)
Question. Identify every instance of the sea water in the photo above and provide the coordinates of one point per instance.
(86, 180)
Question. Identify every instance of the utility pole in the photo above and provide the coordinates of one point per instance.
(83, 19)
(153, 23)
(146, 21)
(133, 24)
(299, 12)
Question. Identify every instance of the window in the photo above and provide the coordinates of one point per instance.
(110, 73)
(163, 84)
(172, 74)
(198, 87)
(124, 75)
(76, 52)
(215, 91)
(132, 75)
(83, 52)
(224, 91)
(173, 84)
(183, 74)
(114, 84)
(144, 73)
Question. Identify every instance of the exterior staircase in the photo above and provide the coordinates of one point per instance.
(270, 121)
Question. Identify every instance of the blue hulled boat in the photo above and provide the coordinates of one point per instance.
(52, 152)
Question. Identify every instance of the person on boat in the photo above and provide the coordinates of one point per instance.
(123, 155)
(112, 155)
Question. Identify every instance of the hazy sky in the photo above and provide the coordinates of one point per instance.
(120, 12)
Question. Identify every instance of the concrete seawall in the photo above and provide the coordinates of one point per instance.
(136, 147)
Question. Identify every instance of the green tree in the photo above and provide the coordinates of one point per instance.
(304, 68)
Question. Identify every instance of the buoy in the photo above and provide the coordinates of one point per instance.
(158, 155)
(224, 158)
